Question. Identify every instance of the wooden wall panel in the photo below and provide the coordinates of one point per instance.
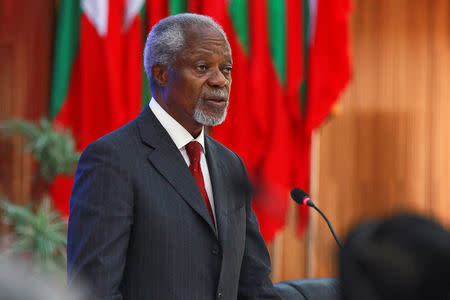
(387, 150)
(440, 111)
(26, 37)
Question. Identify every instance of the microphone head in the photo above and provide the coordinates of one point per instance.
(299, 195)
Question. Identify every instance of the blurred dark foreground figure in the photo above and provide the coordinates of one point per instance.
(403, 257)
(18, 281)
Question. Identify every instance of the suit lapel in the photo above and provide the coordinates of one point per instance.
(169, 162)
(217, 174)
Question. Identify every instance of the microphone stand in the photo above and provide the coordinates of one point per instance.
(311, 204)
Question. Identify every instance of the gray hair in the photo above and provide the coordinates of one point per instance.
(167, 38)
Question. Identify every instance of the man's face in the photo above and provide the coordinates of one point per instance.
(198, 85)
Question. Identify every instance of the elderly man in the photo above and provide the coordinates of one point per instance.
(159, 210)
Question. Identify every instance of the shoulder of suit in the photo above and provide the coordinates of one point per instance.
(122, 136)
(221, 148)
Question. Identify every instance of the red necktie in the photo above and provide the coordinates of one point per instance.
(193, 150)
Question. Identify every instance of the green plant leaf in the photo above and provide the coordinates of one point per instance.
(53, 148)
(39, 233)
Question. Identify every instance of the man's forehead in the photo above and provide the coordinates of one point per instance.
(204, 41)
(207, 50)
(198, 53)
(198, 32)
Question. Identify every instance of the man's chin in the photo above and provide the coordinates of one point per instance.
(209, 119)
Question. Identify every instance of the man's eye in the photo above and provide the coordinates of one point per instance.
(227, 69)
(202, 68)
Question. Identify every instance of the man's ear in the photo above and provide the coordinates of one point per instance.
(160, 73)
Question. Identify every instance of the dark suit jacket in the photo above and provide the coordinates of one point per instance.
(139, 229)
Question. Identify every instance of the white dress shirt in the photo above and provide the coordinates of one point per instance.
(181, 137)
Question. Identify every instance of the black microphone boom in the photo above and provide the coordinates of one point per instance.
(302, 198)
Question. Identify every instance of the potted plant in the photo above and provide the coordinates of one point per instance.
(38, 233)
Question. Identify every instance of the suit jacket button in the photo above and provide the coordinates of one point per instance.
(219, 295)
(215, 251)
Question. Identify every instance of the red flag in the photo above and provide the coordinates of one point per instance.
(105, 84)
(329, 62)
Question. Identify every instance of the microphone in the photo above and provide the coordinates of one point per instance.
(302, 198)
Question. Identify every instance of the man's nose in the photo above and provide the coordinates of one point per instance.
(218, 79)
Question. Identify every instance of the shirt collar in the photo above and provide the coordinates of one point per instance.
(180, 136)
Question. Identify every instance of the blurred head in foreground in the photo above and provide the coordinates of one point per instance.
(403, 257)
(19, 282)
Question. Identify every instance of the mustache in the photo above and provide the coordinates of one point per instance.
(216, 94)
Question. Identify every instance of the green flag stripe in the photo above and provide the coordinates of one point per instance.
(306, 33)
(177, 6)
(277, 35)
(65, 49)
(145, 87)
(143, 14)
(238, 10)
